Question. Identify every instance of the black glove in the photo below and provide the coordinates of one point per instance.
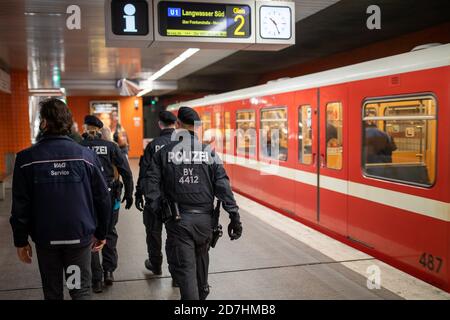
(129, 201)
(139, 201)
(235, 227)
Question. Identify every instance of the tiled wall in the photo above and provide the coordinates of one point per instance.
(14, 118)
(20, 120)
(5, 134)
(80, 108)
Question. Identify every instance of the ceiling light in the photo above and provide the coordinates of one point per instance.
(172, 64)
(55, 14)
(48, 92)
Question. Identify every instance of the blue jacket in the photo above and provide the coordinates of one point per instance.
(379, 146)
(59, 194)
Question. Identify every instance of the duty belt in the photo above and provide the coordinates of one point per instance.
(195, 211)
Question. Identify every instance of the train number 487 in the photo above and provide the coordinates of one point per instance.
(431, 262)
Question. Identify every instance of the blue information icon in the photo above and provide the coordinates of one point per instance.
(174, 12)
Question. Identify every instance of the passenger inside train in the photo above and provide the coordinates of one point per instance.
(411, 123)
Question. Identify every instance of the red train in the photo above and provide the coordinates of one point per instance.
(363, 154)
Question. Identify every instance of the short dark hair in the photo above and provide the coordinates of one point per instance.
(58, 116)
(167, 124)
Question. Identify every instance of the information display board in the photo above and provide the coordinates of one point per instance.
(129, 23)
(222, 24)
(130, 18)
(210, 20)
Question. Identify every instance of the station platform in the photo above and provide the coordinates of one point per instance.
(276, 258)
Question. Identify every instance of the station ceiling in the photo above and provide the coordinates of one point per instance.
(338, 28)
(33, 36)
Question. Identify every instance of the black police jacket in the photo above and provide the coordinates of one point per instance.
(154, 146)
(110, 155)
(59, 194)
(191, 174)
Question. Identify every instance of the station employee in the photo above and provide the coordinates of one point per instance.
(110, 156)
(188, 175)
(152, 220)
(60, 199)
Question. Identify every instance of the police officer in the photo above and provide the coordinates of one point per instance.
(110, 157)
(186, 176)
(152, 220)
(59, 198)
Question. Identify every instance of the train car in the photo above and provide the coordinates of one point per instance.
(363, 154)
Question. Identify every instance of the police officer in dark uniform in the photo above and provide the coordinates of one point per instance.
(152, 220)
(184, 178)
(60, 198)
(110, 157)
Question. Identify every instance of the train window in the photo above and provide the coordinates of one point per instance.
(206, 125)
(399, 139)
(305, 134)
(274, 134)
(246, 133)
(334, 148)
(227, 128)
(217, 121)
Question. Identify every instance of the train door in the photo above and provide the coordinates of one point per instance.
(306, 164)
(276, 153)
(333, 151)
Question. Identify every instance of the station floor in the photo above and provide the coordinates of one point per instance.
(276, 258)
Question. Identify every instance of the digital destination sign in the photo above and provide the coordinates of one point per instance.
(194, 19)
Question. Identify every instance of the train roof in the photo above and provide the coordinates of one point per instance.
(411, 61)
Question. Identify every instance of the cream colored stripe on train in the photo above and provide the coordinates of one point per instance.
(270, 169)
(424, 206)
(420, 205)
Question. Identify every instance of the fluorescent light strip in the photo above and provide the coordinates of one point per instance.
(47, 92)
(172, 64)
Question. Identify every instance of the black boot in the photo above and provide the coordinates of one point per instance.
(156, 271)
(97, 286)
(109, 278)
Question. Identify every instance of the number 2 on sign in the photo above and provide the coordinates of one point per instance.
(237, 31)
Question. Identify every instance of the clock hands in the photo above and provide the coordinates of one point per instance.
(276, 25)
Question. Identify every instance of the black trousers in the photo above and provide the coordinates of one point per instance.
(187, 249)
(153, 230)
(59, 262)
(109, 252)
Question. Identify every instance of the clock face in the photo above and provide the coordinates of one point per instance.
(275, 22)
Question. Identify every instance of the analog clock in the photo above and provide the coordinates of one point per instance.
(275, 22)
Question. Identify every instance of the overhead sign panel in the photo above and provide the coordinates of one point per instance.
(190, 19)
(129, 18)
(225, 24)
(129, 23)
(229, 24)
